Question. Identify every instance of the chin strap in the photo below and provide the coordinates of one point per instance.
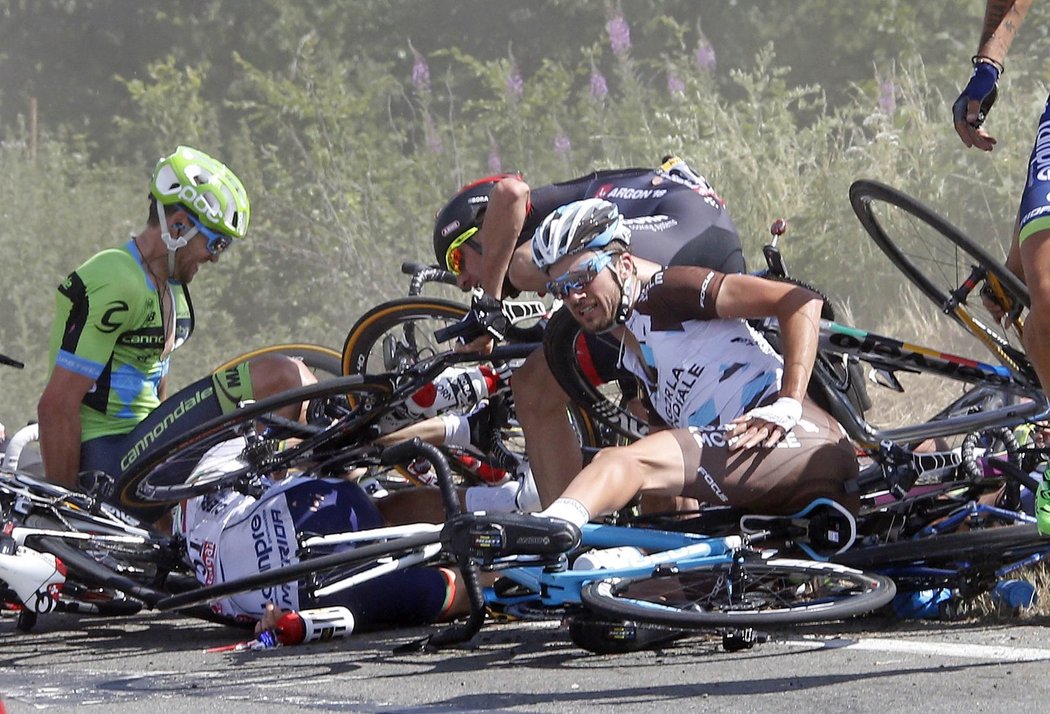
(626, 293)
(173, 244)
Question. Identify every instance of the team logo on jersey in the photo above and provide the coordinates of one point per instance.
(111, 319)
(609, 191)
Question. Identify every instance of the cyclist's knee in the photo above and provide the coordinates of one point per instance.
(277, 373)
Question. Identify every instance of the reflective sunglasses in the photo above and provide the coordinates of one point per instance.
(217, 242)
(574, 280)
(454, 253)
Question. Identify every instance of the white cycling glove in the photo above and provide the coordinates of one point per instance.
(784, 412)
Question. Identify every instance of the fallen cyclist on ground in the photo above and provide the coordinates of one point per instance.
(229, 535)
(742, 431)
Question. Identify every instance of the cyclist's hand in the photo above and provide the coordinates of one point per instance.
(480, 345)
(973, 105)
(269, 618)
(763, 426)
(993, 307)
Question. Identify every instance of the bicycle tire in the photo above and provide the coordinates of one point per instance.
(999, 543)
(769, 592)
(937, 258)
(410, 323)
(322, 361)
(150, 482)
(559, 348)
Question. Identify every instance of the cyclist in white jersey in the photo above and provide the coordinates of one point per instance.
(230, 535)
(741, 430)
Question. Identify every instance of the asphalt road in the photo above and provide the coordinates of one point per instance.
(157, 663)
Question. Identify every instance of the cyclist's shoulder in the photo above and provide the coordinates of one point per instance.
(116, 270)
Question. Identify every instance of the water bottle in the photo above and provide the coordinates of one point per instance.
(1015, 594)
(455, 387)
(923, 605)
(317, 625)
(607, 558)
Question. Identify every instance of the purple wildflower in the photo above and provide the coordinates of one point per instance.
(619, 34)
(514, 85)
(599, 87)
(420, 73)
(887, 98)
(705, 57)
(675, 85)
(562, 145)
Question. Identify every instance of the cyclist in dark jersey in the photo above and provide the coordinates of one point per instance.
(484, 235)
(119, 316)
(741, 431)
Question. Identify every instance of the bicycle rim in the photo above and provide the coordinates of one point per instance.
(254, 441)
(938, 258)
(397, 334)
(744, 594)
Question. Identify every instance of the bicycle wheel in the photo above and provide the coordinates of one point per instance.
(939, 260)
(606, 404)
(399, 333)
(324, 362)
(741, 593)
(998, 544)
(256, 441)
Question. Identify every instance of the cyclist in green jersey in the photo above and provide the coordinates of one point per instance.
(119, 316)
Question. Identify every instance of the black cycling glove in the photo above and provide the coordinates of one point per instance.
(485, 316)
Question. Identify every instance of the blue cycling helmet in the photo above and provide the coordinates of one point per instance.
(590, 224)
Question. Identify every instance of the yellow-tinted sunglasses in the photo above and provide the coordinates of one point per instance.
(454, 254)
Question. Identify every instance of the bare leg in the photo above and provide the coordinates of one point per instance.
(653, 465)
(550, 442)
(276, 373)
(1035, 256)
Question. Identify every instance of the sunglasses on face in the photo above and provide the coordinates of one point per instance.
(574, 280)
(217, 242)
(454, 254)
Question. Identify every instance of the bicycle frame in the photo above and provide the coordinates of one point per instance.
(887, 353)
(554, 588)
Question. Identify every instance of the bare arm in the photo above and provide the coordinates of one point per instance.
(797, 309)
(1002, 20)
(504, 218)
(58, 412)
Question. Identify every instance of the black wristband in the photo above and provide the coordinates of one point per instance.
(985, 59)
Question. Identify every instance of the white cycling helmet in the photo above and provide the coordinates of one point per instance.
(33, 579)
(590, 224)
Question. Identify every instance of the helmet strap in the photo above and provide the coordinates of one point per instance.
(626, 286)
(172, 244)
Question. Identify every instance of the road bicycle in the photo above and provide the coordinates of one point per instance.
(686, 581)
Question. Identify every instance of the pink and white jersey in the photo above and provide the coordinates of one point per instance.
(230, 535)
(700, 370)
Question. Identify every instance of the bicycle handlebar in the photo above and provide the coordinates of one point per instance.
(422, 274)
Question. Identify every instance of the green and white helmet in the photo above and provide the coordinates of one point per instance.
(206, 187)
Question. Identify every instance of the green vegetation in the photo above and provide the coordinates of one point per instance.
(351, 121)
